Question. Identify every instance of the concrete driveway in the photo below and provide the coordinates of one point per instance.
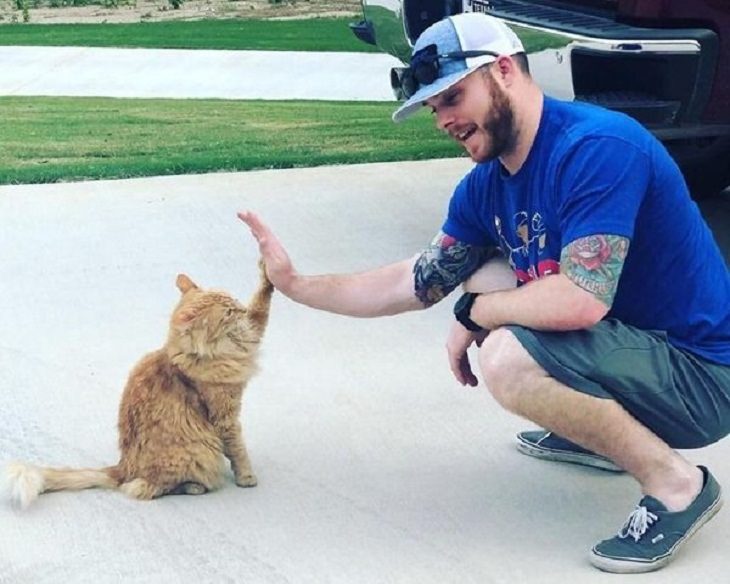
(172, 73)
(374, 465)
(177, 73)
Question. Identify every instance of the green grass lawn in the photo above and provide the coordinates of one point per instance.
(317, 34)
(67, 139)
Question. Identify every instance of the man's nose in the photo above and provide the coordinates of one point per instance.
(443, 119)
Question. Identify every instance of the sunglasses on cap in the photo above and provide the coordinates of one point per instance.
(424, 69)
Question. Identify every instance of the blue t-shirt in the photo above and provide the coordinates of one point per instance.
(592, 171)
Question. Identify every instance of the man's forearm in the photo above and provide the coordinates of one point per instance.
(551, 303)
(380, 292)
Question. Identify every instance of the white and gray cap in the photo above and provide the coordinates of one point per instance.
(470, 31)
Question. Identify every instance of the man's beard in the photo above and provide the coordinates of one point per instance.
(499, 124)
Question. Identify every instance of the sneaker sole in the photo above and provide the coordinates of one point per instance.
(638, 566)
(544, 453)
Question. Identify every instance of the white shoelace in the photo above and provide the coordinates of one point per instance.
(638, 522)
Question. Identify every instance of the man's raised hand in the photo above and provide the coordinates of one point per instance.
(278, 265)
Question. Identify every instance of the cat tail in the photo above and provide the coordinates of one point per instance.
(23, 483)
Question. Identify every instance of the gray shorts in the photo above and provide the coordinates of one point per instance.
(683, 399)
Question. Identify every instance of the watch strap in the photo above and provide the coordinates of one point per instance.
(462, 311)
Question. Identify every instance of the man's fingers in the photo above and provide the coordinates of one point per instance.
(461, 369)
(466, 372)
(254, 223)
(247, 217)
(456, 368)
(260, 232)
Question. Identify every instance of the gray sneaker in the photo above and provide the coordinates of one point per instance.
(549, 446)
(652, 536)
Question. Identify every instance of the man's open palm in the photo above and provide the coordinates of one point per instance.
(278, 265)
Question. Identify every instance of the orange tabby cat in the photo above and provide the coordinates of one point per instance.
(180, 409)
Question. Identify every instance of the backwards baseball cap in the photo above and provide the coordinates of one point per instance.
(448, 51)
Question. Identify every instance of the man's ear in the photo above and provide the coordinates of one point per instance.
(185, 284)
(504, 69)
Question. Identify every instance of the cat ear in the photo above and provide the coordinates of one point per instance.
(185, 284)
(185, 316)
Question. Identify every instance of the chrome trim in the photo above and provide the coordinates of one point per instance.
(655, 46)
(664, 46)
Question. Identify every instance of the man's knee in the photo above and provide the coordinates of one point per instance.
(506, 366)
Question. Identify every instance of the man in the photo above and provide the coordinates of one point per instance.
(616, 338)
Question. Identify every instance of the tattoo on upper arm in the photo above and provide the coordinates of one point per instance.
(594, 263)
(444, 264)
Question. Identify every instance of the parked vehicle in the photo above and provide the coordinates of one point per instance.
(664, 62)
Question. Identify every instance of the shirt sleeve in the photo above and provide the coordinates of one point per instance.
(601, 185)
(469, 217)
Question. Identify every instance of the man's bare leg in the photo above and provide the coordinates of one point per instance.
(521, 386)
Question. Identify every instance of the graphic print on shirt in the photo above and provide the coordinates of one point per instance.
(528, 252)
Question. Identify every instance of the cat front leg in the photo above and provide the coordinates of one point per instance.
(260, 303)
(235, 451)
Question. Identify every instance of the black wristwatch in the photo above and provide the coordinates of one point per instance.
(462, 309)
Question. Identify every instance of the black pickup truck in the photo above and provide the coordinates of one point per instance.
(664, 62)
